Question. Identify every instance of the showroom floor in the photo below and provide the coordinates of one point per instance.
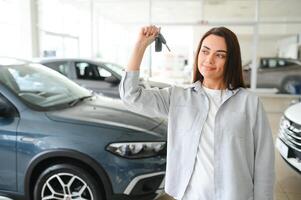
(288, 182)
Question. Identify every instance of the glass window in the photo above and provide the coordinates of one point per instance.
(7, 108)
(272, 63)
(103, 72)
(39, 86)
(114, 67)
(264, 64)
(281, 63)
(87, 71)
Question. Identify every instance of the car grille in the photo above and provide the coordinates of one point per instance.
(290, 132)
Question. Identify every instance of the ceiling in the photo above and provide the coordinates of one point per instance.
(193, 12)
(279, 18)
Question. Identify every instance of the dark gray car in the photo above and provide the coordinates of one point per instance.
(60, 141)
(99, 76)
(281, 73)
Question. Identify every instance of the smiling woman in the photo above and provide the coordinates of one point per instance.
(219, 140)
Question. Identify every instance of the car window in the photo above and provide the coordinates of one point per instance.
(114, 67)
(277, 63)
(104, 73)
(289, 63)
(264, 63)
(281, 63)
(5, 104)
(88, 71)
(272, 63)
(61, 67)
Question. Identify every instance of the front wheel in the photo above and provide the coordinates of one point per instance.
(66, 182)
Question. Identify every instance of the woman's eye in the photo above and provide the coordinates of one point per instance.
(220, 56)
(205, 52)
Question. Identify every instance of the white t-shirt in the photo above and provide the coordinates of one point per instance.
(201, 184)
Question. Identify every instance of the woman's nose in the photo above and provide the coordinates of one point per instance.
(210, 59)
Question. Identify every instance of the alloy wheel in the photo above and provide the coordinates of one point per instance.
(66, 186)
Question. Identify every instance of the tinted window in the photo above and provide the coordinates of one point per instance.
(6, 108)
(274, 63)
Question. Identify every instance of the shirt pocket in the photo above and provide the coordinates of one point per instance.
(236, 125)
(183, 118)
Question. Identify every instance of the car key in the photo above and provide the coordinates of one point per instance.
(158, 43)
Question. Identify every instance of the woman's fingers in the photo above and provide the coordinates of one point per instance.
(150, 31)
(148, 34)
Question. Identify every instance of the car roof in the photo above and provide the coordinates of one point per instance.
(58, 59)
(282, 58)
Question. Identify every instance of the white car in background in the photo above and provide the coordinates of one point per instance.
(288, 142)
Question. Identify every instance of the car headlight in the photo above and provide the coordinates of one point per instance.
(137, 149)
(284, 123)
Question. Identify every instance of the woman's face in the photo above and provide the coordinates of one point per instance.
(212, 58)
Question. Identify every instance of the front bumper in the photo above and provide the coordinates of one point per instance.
(291, 155)
(144, 187)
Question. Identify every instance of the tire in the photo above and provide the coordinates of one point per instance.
(291, 85)
(65, 181)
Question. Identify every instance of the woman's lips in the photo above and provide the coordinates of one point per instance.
(208, 68)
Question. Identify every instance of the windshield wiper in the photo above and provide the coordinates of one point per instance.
(76, 101)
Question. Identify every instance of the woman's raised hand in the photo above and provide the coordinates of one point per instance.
(148, 34)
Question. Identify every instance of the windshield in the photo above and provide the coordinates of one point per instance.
(40, 86)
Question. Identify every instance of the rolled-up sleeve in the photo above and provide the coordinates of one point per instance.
(264, 174)
(153, 102)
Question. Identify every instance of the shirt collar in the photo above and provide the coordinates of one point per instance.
(197, 86)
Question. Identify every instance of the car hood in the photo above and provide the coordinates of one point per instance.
(102, 110)
(293, 113)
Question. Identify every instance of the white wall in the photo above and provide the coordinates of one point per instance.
(15, 38)
(288, 47)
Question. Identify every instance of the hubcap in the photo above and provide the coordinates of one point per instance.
(66, 186)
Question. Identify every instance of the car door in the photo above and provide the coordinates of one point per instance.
(96, 78)
(9, 120)
(271, 72)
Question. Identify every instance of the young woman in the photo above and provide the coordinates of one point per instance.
(219, 144)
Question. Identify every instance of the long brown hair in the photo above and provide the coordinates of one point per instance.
(233, 77)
